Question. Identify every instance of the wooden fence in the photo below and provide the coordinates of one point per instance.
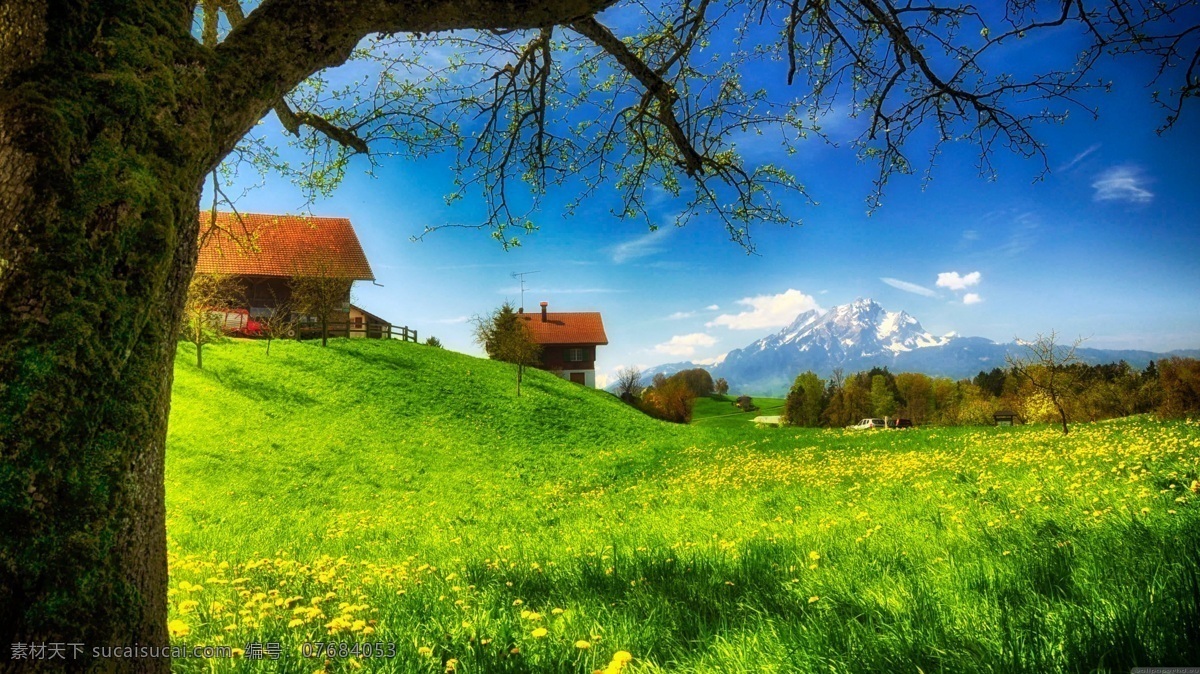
(370, 330)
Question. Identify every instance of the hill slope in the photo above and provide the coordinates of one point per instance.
(365, 421)
(401, 495)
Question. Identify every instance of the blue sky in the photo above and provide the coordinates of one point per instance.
(1106, 246)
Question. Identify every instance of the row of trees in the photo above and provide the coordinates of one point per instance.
(1035, 391)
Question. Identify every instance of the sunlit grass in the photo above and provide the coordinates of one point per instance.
(386, 492)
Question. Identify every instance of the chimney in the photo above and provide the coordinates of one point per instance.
(544, 305)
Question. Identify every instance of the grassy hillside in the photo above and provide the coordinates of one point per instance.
(394, 493)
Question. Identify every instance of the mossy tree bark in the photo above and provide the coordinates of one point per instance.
(111, 114)
(104, 138)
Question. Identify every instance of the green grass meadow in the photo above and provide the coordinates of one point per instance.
(718, 411)
(392, 493)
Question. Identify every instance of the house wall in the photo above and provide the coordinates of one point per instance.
(554, 357)
(262, 293)
(589, 376)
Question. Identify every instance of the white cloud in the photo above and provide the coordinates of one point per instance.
(972, 298)
(685, 345)
(1079, 157)
(715, 360)
(680, 315)
(767, 311)
(1122, 183)
(909, 287)
(642, 246)
(451, 321)
(955, 281)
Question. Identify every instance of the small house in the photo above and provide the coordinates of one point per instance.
(265, 253)
(568, 340)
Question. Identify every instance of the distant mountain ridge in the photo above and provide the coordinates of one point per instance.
(862, 335)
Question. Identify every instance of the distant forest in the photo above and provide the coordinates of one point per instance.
(1169, 388)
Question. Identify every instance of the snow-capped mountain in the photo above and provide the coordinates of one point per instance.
(859, 336)
(863, 328)
(845, 336)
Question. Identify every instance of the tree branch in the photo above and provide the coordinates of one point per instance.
(655, 86)
(283, 42)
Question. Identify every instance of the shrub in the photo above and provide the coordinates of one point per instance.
(670, 402)
(745, 404)
(434, 342)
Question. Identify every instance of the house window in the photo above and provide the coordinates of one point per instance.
(574, 355)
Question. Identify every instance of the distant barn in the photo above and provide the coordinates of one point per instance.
(265, 253)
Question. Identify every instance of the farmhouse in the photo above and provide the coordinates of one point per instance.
(568, 341)
(265, 253)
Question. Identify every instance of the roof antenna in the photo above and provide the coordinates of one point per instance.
(521, 276)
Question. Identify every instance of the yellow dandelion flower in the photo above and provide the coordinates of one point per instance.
(425, 650)
(295, 622)
(582, 644)
(557, 611)
(451, 665)
(814, 599)
(178, 628)
(540, 632)
(814, 555)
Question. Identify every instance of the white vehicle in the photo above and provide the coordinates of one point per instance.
(868, 423)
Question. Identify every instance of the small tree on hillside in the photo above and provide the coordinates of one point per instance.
(209, 297)
(721, 386)
(434, 342)
(629, 383)
(321, 295)
(505, 336)
(1046, 366)
(278, 324)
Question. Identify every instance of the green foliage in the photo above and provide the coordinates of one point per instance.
(433, 341)
(505, 336)
(883, 402)
(697, 380)
(804, 401)
(695, 549)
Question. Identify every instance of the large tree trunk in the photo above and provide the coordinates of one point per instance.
(99, 187)
(110, 115)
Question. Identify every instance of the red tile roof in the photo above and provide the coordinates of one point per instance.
(284, 245)
(566, 327)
